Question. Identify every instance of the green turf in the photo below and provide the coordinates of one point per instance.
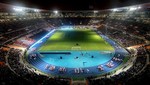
(68, 39)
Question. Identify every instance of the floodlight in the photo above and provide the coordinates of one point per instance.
(36, 10)
(18, 9)
(132, 8)
(95, 11)
(56, 12)
(139, 7)
(115, 10)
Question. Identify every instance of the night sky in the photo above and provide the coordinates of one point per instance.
(74, 4)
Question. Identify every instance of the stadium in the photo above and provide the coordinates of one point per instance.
(89, 47)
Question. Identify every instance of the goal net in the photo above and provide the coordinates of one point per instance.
(76, 48)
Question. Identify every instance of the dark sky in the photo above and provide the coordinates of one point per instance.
(74, 4)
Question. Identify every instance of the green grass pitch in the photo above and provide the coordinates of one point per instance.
(78, 39)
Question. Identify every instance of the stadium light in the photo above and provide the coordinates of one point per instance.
(132, 8)
(139, 7)
(36, 10)
(114, 10)
(56, 12)
(18, 9)
(95, 11)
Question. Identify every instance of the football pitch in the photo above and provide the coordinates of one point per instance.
(75, 39)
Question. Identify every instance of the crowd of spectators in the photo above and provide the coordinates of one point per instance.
(126, 33)
(129, 27)
(17, 73)
(7, 76)
(14, 71)
(126, 78)
(132, 27)
(10, 33)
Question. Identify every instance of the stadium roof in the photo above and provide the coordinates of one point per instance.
(74, 4)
